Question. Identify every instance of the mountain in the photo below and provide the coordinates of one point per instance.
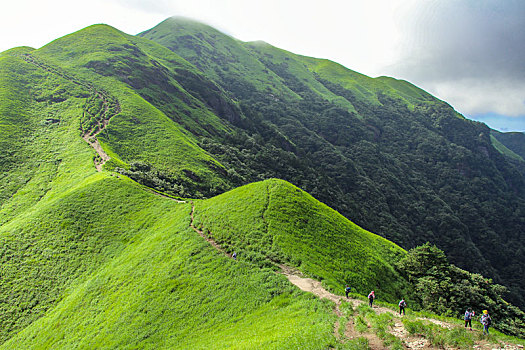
(383, 152)
(118, 152)
(73, 238)
(514, 141)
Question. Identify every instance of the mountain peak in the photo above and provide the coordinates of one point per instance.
(180, 23)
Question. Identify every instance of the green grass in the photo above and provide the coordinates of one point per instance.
(145, 78)
(153, 283)
(276, 221)
(458, 336)
(210, 50)
(92, 260)
(503, 149)
(45, 155)
(360, 343)
(439, 336)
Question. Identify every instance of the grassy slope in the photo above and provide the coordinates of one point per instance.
(504, 149)
(275, 221)
(364, 87)
(14, 117)
(45, 154)
(124, 65)
(221, 57)
(293, 68)
(513, 141)
(150, 283)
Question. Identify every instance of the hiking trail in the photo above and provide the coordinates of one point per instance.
(203, 235)
(109, 107)
(396, 328)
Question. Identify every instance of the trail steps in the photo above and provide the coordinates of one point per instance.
(110, 107)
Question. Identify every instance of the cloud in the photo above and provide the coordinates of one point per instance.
(469, 53)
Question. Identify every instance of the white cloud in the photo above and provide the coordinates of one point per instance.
(469, 53)
(473, 96)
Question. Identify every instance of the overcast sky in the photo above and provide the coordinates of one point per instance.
(470, 53)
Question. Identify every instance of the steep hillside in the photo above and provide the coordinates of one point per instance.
(275, 222)
(158, 118)
(514, 141)
(83, 278)
(384, 153)
(42, 152)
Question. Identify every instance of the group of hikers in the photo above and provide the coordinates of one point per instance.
(485, 319)
(402, 304)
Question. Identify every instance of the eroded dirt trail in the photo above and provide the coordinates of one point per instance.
(110, 107)
(315, 287)
(397, 328)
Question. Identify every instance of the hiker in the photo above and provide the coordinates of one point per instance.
(347, 290)
(371, 298)
(486, 321)
(402, 306)
(468, 317)
(234, 256)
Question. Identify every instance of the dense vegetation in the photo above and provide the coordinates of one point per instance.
(440, 287)
(384, 153)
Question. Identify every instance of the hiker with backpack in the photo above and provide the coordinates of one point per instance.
(402, 306)
(371, 298)
(486, 321)
(468, 317)
(347, 290)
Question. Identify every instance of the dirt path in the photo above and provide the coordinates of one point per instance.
(103, 157)
(108, 103)
(203, 235)
(397, 329)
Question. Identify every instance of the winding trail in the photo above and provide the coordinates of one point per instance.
(110, 107)
(397, 328)
(315, 287)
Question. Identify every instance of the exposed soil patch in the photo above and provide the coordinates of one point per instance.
(109, 103)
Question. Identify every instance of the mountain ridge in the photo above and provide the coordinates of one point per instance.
(408, 132)
(71, 235)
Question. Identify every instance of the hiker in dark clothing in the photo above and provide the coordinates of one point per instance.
(347, 290)
(468, 317)
(371, 298)
(234, 256)
(486, 321)
(402, 306)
